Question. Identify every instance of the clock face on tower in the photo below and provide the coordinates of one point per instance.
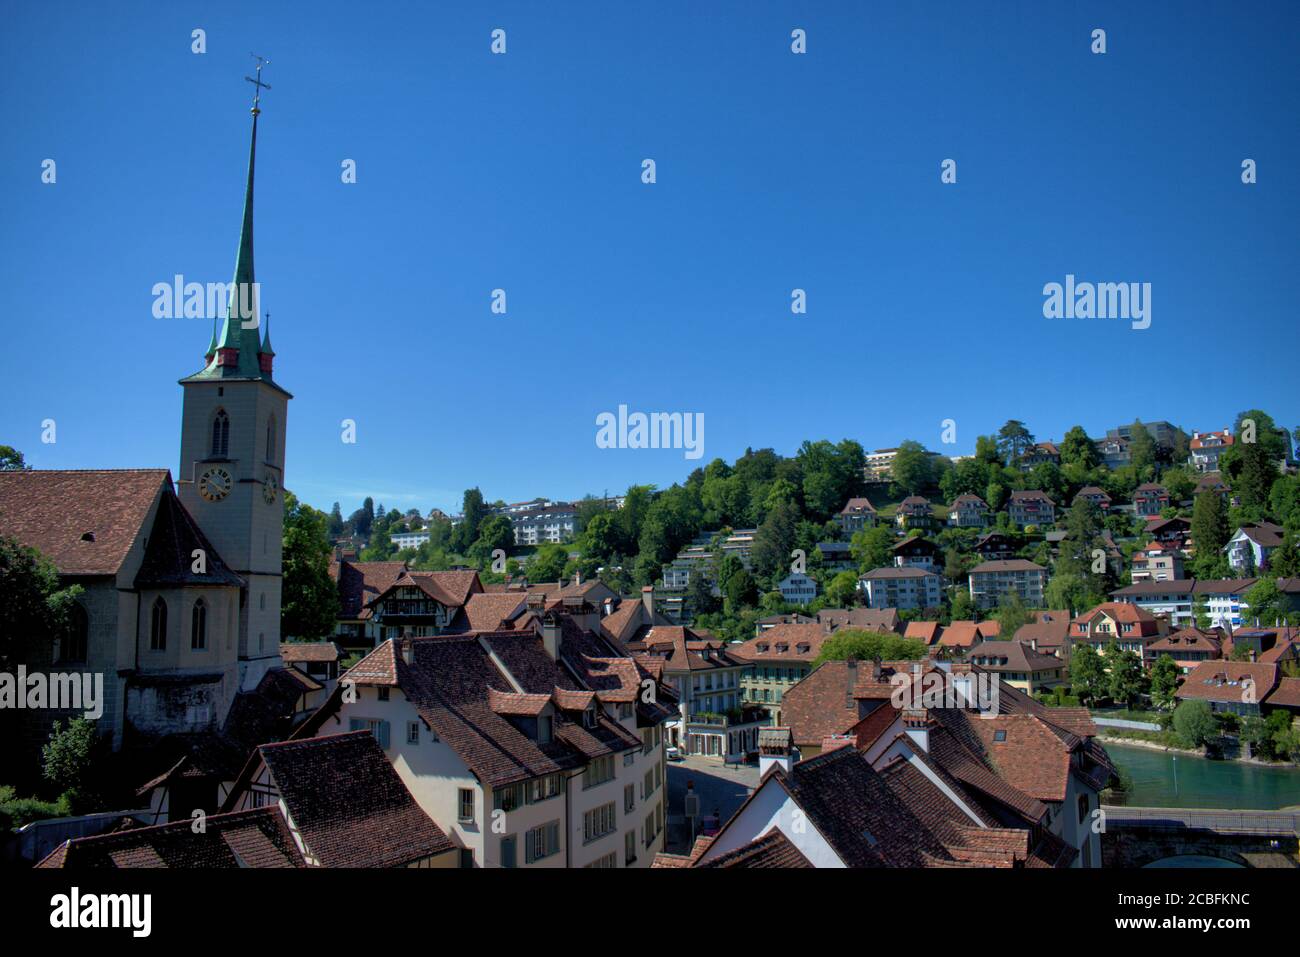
(215, 484)
(270, 485)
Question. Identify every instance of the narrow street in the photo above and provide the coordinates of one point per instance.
(721, 791)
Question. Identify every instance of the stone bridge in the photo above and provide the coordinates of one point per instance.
(1138, 836)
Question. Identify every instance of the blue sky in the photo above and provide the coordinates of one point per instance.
(523, 172)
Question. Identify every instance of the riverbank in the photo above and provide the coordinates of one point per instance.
(1190, 752)
(1162, 776)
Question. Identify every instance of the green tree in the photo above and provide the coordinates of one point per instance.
(473, 511)
(1087, 676)
(1014, 440)
(1210, 531)
(1125, 678)
(35, 608)
(856, 644)
(72, 762)
(1141, 449)
(1078, 450)
(494, 532)
(872, 548)
(912, 469)
(11, 460)
(1164, 681)
(547, 563)
(1266, 601)
(309, 604)
(335, 527)
(963, 607)
(842, 591)
(1194, 723)
(774, 541)
(1011, 614)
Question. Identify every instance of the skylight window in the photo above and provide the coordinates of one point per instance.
(999, 736)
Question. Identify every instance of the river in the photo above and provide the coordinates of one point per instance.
(1162, 779)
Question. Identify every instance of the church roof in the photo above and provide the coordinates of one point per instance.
(169, 556)
(84, 521)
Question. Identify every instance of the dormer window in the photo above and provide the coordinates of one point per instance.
(544, 729)
(87, 536)
(589, 717)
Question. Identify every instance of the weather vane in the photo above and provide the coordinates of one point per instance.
(257, 96)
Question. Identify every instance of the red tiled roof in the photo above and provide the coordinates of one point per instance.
(1229, 681)
(55, 512)
(257, 838)
(348, 803)
(326, 651)
(362, 582)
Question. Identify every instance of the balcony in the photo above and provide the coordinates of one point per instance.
(746, 714)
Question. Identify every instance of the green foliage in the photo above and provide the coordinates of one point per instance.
(1010, 615)
(871, 548)
(1125, 677)
(1087, 675)
(11, 460)
(1194, 723)
(856, 644)
(72, 758)
(547, 563)
(34, 609)
(912, 469)
(1164, 681)
(1014, 440)
(310, 604)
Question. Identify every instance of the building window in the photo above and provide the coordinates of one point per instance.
(220, 435)
(465, 813)
(466, 858)
(375, 726)
(610, 860)
(629, 797)
(270, 439)
(383, 694)
(629, 847)
(510, 851)
(77, 640)
(158, 626)
(598, 771)
(199, 626)
(412, 732)
(598, 822)
(541, 842)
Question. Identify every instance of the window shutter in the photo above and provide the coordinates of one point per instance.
(382, 733)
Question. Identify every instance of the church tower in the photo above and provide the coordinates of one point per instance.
(231, 473)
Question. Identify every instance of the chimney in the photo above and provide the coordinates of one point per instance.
(775, 749)
(917, 723)
(408, 650)
(648, 599)
(551, 636)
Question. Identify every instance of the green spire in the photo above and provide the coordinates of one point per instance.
(234, 335)
(266, 339)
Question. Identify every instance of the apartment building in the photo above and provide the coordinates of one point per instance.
(857, 514)
(1206, 447)
(1150, 499)
(797, 588)
(968, 511)
(1031, 507)
(992, 582)
(713, 718)
(531, 747)
(776, 660)
(1018, 665)
(1095, 495)
(551, 523)
(1157, 563)
(901, 588)
(1251, 546)
(917, 553)
(879, 464)
(1132, 628)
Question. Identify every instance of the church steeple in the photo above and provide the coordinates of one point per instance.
(237, 350)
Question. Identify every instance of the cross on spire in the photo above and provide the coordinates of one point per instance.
(257, 96)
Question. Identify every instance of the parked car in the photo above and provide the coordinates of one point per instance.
(674, 753)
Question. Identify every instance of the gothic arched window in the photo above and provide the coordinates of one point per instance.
(199, 626)
(158, 626)
(220, 435)
(76, 642)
